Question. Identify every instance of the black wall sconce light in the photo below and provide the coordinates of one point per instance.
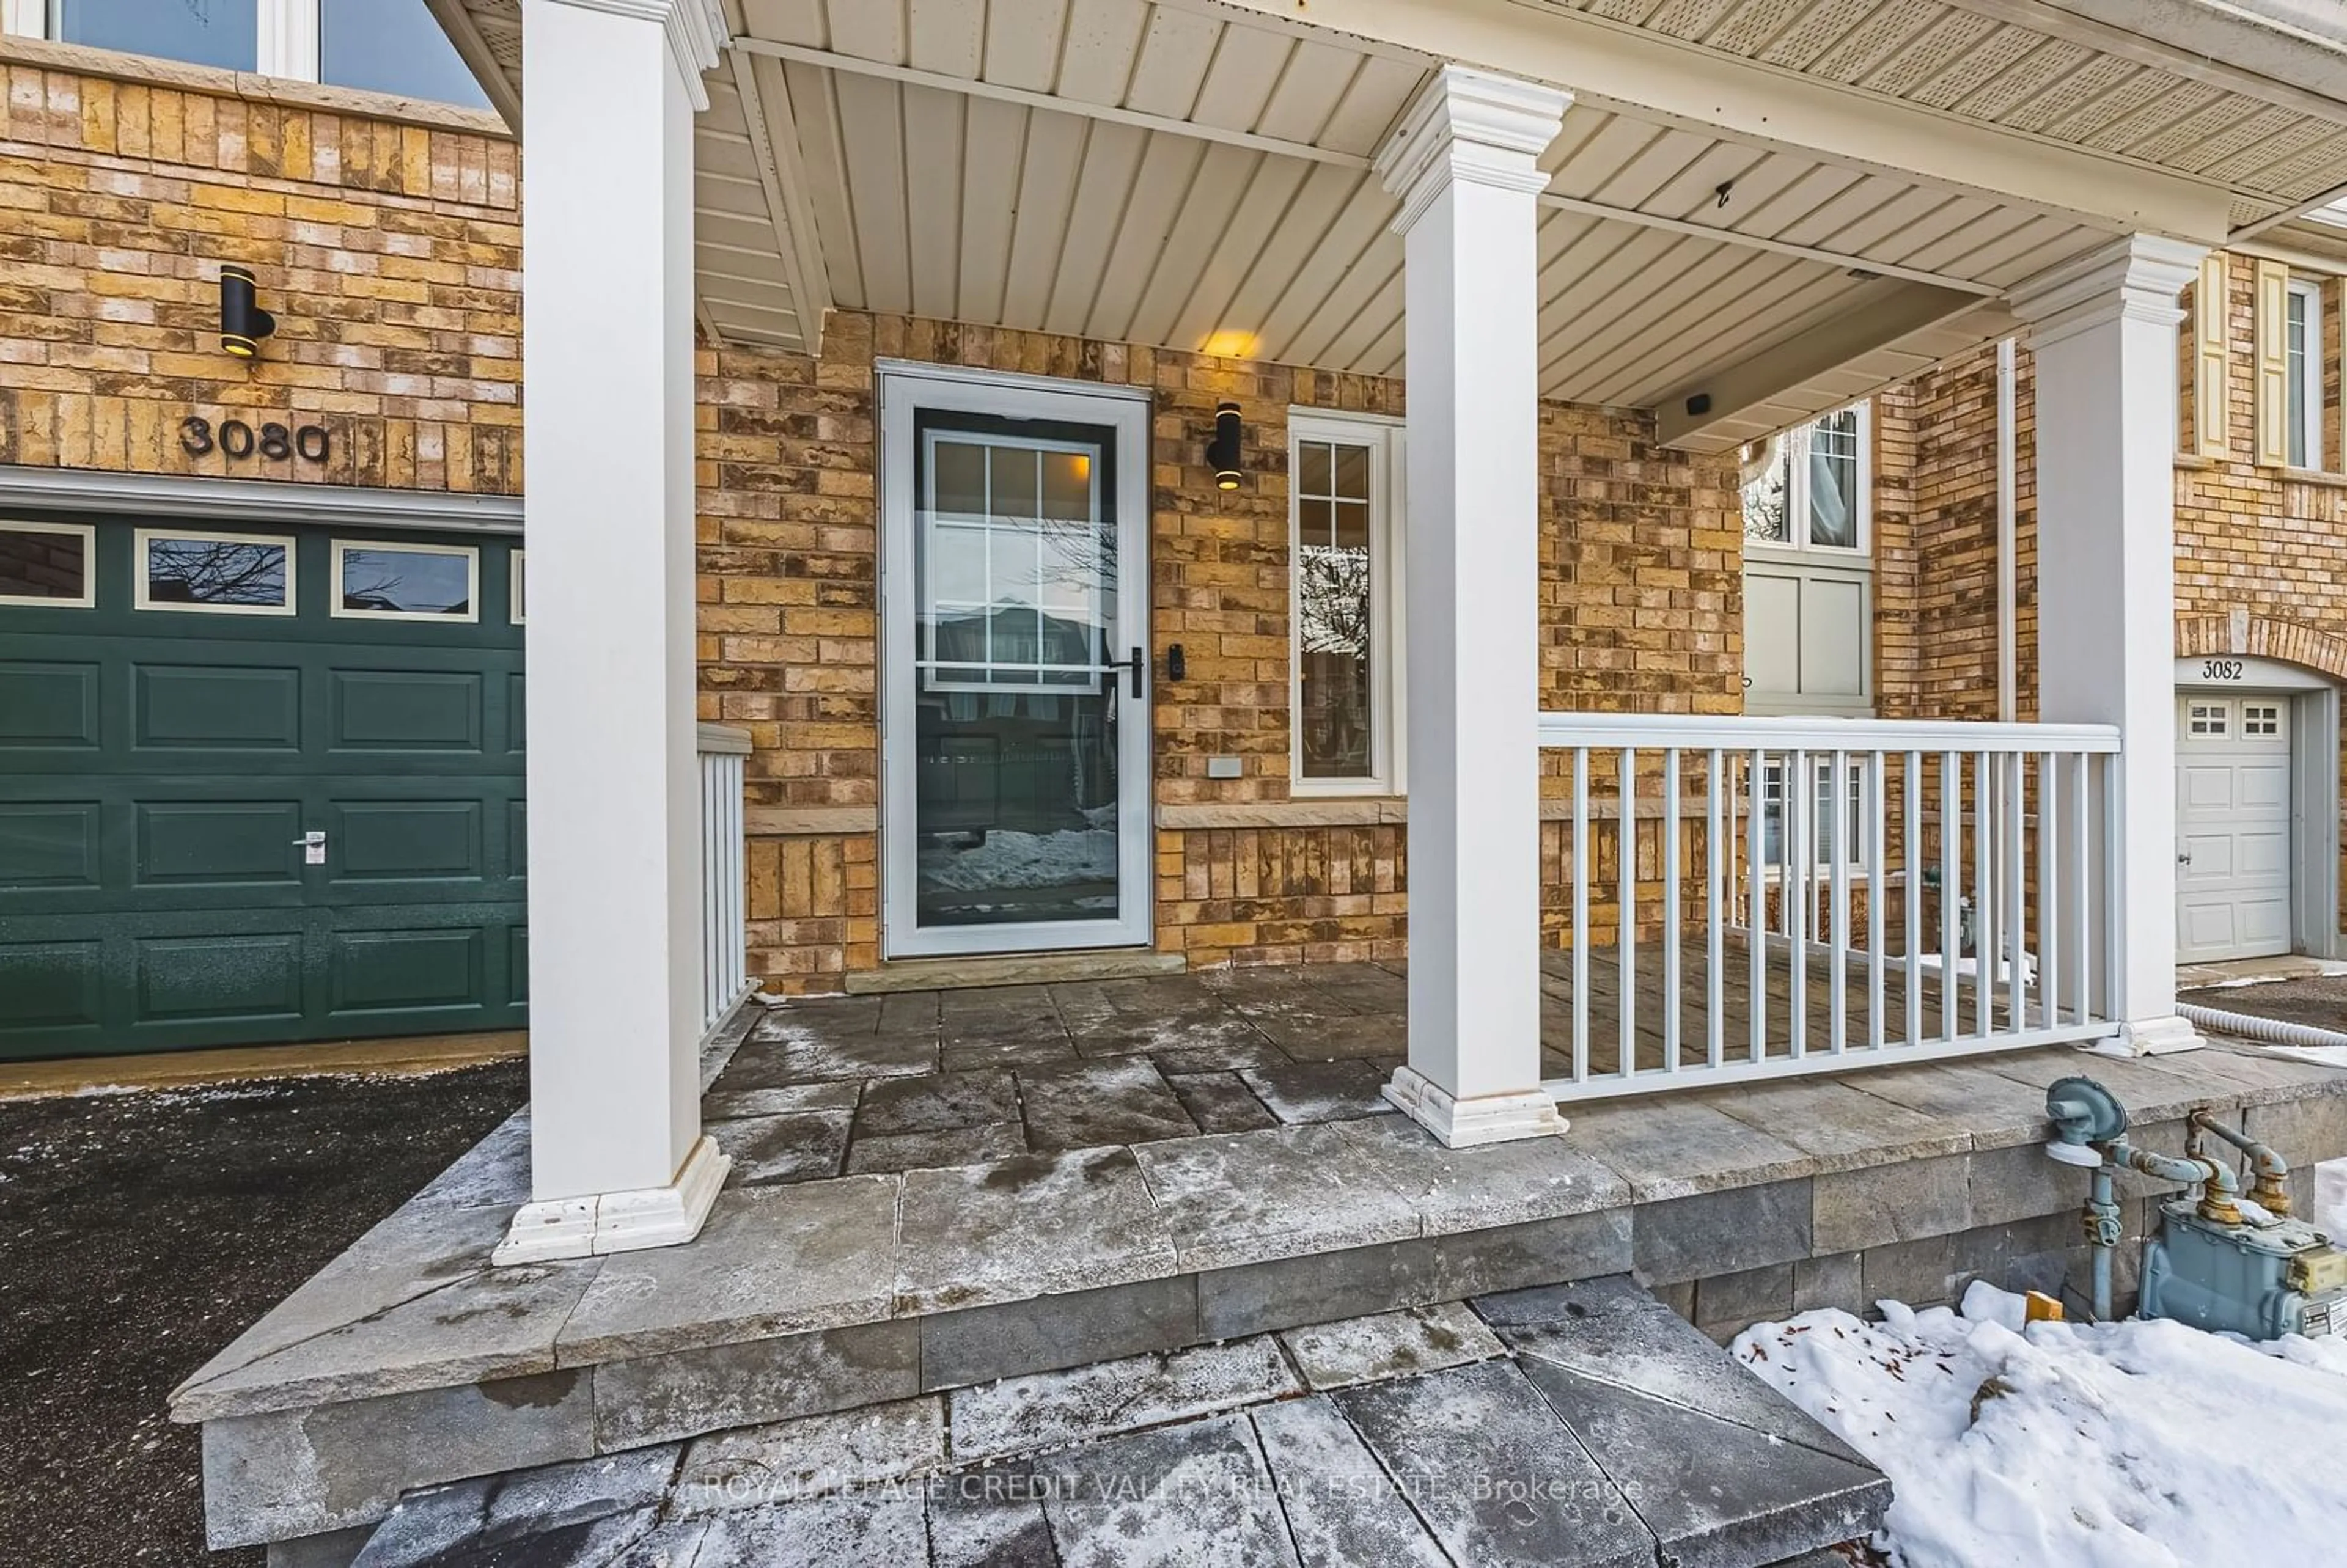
(1223, 451)
(244, 323)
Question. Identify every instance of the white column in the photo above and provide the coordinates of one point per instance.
(1464, 164)
(2103, 332)
(617, 1159)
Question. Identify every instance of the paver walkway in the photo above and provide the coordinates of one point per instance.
(1571, 1425)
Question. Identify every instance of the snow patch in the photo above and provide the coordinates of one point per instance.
(2143, 1444)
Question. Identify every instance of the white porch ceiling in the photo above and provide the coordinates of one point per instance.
(1195, 175)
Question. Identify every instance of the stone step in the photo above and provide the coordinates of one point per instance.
(1574, 1425)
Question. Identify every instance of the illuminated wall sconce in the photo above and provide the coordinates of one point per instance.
(244, 323)
(1223, 451)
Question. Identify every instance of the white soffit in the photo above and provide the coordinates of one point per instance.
(1192, 175)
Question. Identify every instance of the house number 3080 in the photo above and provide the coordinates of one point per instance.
(238, 440)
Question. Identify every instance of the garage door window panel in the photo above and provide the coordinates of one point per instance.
(405, 582)
(48, 564)
(217, 574)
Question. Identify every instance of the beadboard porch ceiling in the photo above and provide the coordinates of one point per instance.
(1195, 174)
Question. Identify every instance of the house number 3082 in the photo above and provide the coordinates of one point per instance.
(237, 440)
(2220, 670)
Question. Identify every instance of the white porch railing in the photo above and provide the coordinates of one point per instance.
(1788, 896)
(724, 936)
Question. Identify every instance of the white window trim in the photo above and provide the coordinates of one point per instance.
(1795, 454)
(286, 42)
(1383, 434)
(89, 532)
(471, 556)
(138, 571)
(517, 588)
(2309, 429)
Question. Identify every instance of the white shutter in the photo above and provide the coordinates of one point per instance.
(2273, 363)
(2212, 359)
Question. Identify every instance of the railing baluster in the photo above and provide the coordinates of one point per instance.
(1876, 892)
(2049, 863)
(1627, 922)
(1671, 909)
(2082, 896)
(1756, 879)
(1984, 896)
(1581, 914)
(1913, 899)
(1795, 889)
(1840, 833)
(1719, 854)
(2016, 894)
(1951, 828)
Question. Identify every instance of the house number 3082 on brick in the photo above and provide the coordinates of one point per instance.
(237, 440)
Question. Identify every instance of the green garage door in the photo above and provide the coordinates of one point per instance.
(260, 785)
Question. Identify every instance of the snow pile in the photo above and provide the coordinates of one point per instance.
(1009, 859)
(2141, 1444)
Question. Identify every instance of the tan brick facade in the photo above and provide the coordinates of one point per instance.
(389, 250)
(1641, 608)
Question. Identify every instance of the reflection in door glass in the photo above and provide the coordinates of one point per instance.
(1017, 713)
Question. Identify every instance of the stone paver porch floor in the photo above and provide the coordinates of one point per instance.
(852, 1085)
(911, 1154)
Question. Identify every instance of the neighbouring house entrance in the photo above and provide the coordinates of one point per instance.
(260, 784)
(1015, 727)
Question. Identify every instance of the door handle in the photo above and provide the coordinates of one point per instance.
(1137, 667)
(312, 845)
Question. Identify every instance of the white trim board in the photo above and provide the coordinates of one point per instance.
(202, 498)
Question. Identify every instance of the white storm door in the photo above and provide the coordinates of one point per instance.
(1015, 721)
(2233, 827)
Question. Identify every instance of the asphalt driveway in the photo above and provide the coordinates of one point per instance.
(141, 1231)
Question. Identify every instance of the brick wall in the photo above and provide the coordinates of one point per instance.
(1641, 608)
(388, 248)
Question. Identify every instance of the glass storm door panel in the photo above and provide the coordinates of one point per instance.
(1016, 745)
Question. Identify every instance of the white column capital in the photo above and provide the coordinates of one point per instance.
(2136, 277)
(695, 30)
(1474, 128)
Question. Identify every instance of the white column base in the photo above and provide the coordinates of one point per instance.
(1486, 1119)
(2152, 1037)
(619, 1222)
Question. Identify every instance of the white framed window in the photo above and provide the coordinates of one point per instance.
(53, 565)
(2302, 351)
(1836, 825)
(1808, 573)
(217, 574)
(1343, 508)
(2212, 720)
(1811, 488)
(381, 581)
(517, 589)
(391, 47)
(2260, 718)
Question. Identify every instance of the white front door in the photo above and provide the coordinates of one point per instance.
(2232, 826)
(1014, 734)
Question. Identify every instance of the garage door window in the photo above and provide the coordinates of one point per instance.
(48, 564)
(223, 574)
(405, 582)
(2208, 719)
(2260, 718)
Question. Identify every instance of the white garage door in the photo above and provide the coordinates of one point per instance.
(2232, 809)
